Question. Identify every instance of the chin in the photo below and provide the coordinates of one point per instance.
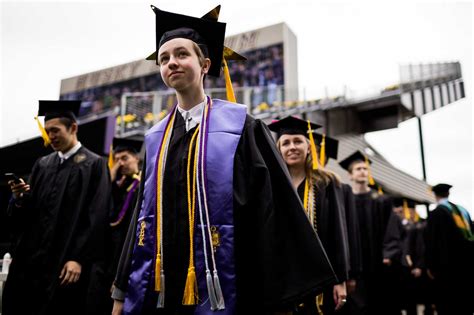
(294, 163)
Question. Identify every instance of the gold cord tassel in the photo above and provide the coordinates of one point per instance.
(44, 134)
(157, 273)
(228, 83)
(371, 179)
(314, 153)
(319, 303)
(322, 153)
(190, 288)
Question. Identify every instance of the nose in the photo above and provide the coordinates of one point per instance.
(172, 63)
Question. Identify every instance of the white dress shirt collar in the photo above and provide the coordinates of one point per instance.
(68, 154)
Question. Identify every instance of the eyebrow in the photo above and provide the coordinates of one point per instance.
(175, 49)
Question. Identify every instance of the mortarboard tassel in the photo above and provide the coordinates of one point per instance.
(371, 179)
(44, 134)
(417, 217)
(228, 83)
(322, 153)
(110, 162)
(406, 211)
(314, 153)
(380, 191)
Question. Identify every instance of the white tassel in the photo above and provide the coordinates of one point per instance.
(161, 296)
(210, 291)
(219, 295)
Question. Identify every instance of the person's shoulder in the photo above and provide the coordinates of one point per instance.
(47, 159)
(224, 103)
(88, 153)
(84, 156)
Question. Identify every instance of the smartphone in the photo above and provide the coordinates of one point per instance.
(13, 177)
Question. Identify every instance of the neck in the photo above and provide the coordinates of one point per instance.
(297, 173)
(360, 188)
(189, 99)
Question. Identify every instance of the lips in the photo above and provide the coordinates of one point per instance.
(174, 73)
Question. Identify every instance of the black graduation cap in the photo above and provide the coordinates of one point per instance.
(332, 145)
(124, 144)
(397, 202)
(207, 33)
(354, 157)
(57, 109)
(292, 126)
(441, 188)
(411, 203)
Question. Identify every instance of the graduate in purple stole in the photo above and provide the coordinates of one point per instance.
(218, 228)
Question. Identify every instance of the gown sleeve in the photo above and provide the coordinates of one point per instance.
(123, 268)
(353, 231)
(279, 257)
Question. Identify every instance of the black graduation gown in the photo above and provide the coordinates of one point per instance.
(331, 227)
(353, 231)
(119, 232)
(63, 218)
(449, 257)
(373, 211)
(415, 290)
(279, 259)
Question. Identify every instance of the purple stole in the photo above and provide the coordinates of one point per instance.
(226, 123)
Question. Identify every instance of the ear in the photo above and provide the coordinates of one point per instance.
(74, 128)
(206, 65)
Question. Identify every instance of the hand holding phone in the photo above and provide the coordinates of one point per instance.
(17, 185)
(12, 177)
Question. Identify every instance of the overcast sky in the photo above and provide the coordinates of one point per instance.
(339, 44)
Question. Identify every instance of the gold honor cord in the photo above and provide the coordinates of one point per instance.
(159, 209)
(190, 296)
(311, 213)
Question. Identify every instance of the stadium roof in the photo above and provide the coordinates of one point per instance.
(393, 180)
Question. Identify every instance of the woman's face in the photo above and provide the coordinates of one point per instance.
(179, 65)
(294, 149)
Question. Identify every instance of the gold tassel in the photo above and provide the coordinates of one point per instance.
(110, 162)
(228, 83)
(190, 288)
(158, 273)
(322, 153)
(380, 190)
(406, 211)
(314, 153)
(371, 179)
(319, 303)
(44, 134)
